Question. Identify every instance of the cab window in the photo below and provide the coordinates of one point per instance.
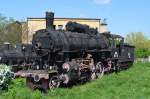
(118, 41)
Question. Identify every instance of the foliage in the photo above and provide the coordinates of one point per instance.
(5, 76)
(141, 43)
(130, 84)
(142, 52)
(10, 30)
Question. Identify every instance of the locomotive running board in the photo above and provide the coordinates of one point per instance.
(27, 73)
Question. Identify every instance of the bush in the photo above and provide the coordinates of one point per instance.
(141, 43)
(142, 52)
(5, 76)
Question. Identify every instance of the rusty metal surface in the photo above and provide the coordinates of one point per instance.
(40, 73)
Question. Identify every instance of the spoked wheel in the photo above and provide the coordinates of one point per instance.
(99, 70)
(54, 82)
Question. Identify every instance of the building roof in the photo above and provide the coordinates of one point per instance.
(68, 18)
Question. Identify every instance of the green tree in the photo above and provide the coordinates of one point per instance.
(141, 43)
(10, 30)
(14, 32)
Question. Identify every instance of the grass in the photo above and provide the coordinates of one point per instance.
(131, 84)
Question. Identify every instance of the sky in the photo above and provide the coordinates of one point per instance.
(123, 16)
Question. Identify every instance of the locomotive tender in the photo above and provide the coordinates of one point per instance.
(75, 55)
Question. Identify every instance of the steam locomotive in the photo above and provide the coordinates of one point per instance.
(75, 55)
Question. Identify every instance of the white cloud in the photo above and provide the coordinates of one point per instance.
(102, 1)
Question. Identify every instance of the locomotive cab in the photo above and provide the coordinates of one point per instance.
(116, 43)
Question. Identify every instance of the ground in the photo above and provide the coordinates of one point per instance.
(133, 83)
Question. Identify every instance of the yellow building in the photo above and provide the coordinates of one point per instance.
(34, 24)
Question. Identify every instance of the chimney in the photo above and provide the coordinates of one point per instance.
(50, 20)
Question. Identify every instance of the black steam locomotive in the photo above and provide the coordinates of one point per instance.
(75, 55)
